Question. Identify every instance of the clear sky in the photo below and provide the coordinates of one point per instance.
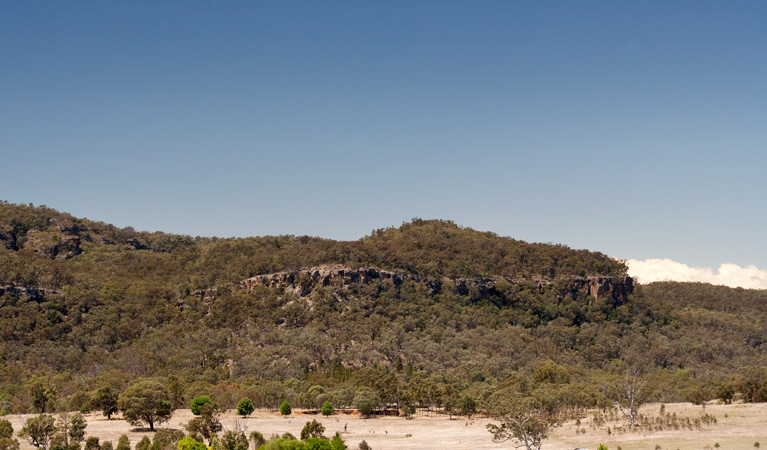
(638, 129)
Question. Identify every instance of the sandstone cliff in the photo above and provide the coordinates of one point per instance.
(303, 282)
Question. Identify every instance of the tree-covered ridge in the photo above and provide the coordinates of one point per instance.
(428, 248)
(126, 305)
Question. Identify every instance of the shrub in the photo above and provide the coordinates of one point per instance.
(123, 443)
(257, 439)
(6, 429)
(337, 443)
(189, 443)
(245, 407)
(285, 408)
(366, 401)
(312, 429)
(167, 439)
(327, 408)
(318, 444)
(144, 444)
(198, 402)
(364, 446)
(92, 443)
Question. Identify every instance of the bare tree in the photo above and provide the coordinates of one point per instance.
(631, 394)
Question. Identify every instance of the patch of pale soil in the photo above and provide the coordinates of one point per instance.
(743, 425)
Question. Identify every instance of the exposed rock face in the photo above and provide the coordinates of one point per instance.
(303, 282)
(52, 244)
(33, 293)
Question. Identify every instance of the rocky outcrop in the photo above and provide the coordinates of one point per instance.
(53, 244)
(303, 282)
(32, 293)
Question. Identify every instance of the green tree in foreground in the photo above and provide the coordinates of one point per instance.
(39, 430)
(106, 401)
(366, 401)
(257, 439)
(167, 439)
(144, 444)
(467, 406)
(146, 401)
(285, 408)
(123, 443)
(231, 440)
(207, 423)
(312, 429)
(42, 391)
(6, 429)
(6, 436)
(245, 407)
(198, 402)
(317, 444)
(522, 422)
(188, 443)
(337, 443)
(92, 443)
(327, 409)
(76, 429)
(9, 444)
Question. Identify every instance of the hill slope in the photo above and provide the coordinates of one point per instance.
(86, 304)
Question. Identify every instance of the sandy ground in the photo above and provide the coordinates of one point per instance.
(742, 426)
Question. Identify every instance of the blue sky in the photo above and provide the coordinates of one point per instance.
(638, 129)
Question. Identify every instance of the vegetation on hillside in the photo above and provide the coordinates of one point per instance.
(88, 310)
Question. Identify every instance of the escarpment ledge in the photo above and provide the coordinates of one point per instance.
(303, 282)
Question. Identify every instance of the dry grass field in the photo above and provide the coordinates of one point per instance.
(738, 427)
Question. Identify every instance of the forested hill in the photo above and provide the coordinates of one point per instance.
(85, 305)
(427, 248)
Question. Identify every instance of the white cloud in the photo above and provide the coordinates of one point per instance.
(731, 275)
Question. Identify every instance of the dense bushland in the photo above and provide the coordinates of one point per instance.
(88, 309)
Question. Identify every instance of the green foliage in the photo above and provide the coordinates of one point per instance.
(9, 444)
(337, 443)
(42, 391)
(188, 443)
(312, 429)
(123, 443)
(327, 408)
(147, 401)
(6, 429)
(457, 299)
(602, 447)
(207, 423)
(39, 430)
(245, 407)
(231, 440)
(106, 400)
(144, 444)
(167, 439)
(107, 445)
(198, 402)
(316, 443)
(366, 401)
(257, 439)
(467, 406)
(279, 443)
(77, 426)
(92, 443)
(285, 408)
